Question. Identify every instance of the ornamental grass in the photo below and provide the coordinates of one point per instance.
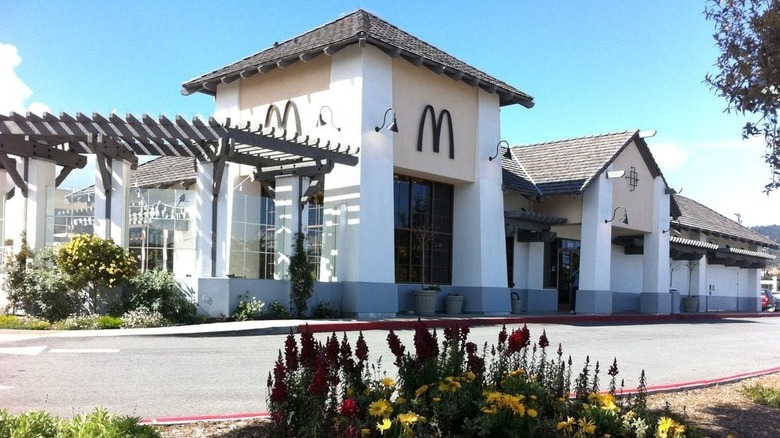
(452, 388)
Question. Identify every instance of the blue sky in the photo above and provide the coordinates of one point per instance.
(592, 67)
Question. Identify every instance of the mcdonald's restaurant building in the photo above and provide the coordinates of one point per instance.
(404, 182)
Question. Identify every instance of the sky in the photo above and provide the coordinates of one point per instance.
(592, 67)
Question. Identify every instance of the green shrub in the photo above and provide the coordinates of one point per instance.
(301, 276)
(248, 308)
(91, 262)
(276, 310)
(324, 310)
(36, 286)
(763, 395)
(88, 322)
(158, 290)
(23, 323)
(143, 317)
(99, 423)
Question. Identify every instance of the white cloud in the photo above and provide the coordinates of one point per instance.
(14, 93)
(669, 156)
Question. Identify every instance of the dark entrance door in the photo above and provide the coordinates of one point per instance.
(568, 272)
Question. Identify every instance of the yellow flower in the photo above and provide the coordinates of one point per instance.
(408, 418)
(518, 372)
(365, 432)
(469, 376)
(668, 428)
(566, 425)
(450, 384)
(400, 400)
(586, 426)
(380, 408)
(387, 382)
(421, 390)
(383, 425)
(436, 399)
(532, 413)
(490, 410)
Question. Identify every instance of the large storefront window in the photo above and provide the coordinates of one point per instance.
(423, 231)
(252, 244)
(161, 229)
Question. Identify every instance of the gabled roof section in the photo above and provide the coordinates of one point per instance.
(359, 27)
(569, 166)
(698, 217)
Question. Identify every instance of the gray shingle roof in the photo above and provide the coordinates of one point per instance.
(164, 171)
(695, 216)
(364, 28)
(567, 166)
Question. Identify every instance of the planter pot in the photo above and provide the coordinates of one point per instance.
(690, 304)
(517, 303)
(453, 305)
(425, 302)
(517, 306)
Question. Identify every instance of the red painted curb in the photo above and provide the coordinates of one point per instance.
(409, 324)
(672, 387)
(198, 418)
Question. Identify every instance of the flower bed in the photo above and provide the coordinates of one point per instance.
(514, 388)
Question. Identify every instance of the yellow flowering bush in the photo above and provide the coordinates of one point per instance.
(91, 262)
(451, 389)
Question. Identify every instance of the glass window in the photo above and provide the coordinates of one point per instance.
(252, 237)
(423, 231)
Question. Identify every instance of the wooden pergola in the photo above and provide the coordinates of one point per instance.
(67, 139)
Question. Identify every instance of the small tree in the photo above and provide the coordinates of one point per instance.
(747, 32)
(301, 276)
(91, 262)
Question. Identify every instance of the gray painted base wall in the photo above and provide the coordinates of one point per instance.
(625, 302)
(594, 302)
(369, 300)
(485, 300)
(655, 303)
(538, 300)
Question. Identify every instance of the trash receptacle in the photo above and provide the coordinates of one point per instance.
(675, 301)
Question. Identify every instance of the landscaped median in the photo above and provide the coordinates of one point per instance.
(452, 388)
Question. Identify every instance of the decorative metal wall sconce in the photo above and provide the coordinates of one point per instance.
(507, 153)
(321, 121)
(393, 126)
(624, 219)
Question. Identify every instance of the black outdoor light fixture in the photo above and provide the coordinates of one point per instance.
(321, 121)
(393, 126)
(614, 214)
(507, 154)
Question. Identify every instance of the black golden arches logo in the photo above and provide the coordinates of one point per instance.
(436, 125)
(283, 118)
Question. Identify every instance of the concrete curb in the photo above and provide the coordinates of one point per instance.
(673, 387)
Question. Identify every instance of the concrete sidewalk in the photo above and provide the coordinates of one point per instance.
(406, 322)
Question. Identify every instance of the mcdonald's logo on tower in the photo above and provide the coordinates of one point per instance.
(281, 120)
(436, 125)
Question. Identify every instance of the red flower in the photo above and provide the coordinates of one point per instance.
(349, 407)
(332, 349)
(291, 352)
(396, 347)
(319, 381)
(361, 348)
(502, 337)
(543, 341)
(518, 340)
(308, 347)
(425, 343)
